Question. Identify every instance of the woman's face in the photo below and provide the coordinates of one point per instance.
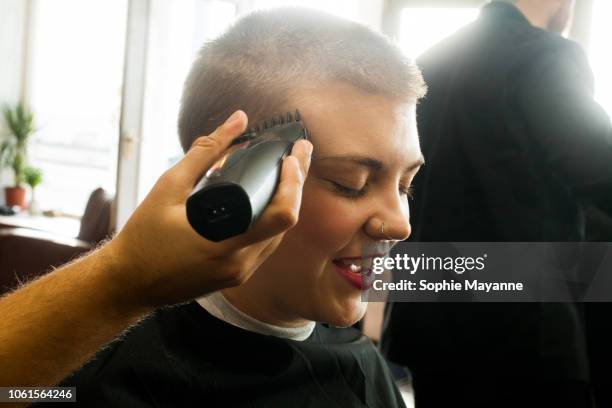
(366, 152)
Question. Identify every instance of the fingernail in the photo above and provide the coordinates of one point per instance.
(233, 118)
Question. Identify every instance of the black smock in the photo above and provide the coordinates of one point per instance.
(184, 356)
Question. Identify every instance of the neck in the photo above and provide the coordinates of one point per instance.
(260, 305)
(536, 13)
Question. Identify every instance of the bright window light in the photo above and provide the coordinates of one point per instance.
(600, 56)
(421, 28)
(177, 31)
(348, 9)
(75, 82)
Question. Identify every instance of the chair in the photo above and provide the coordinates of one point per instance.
(27, 253)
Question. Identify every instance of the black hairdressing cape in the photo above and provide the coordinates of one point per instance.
(183, 356)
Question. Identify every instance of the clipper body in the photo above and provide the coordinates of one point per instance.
(235, 191)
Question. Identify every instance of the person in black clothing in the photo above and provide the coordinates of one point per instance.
(263, 343)
(516, 148)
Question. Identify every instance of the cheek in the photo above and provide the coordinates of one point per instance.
(326, 221)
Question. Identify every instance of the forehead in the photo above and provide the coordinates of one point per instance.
(345, 120)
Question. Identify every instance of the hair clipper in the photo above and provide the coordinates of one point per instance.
(237, 188)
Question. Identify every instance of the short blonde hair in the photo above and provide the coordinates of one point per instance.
(263, 56)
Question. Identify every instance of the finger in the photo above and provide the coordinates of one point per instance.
(302, 150)
(206, 150)
(283, 211)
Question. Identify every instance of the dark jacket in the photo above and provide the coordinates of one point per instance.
(515, 147)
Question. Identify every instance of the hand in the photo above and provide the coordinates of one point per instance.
(158, 258)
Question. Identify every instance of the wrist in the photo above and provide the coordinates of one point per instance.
(120, 281)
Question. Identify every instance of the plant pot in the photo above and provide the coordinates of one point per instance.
(15, 196)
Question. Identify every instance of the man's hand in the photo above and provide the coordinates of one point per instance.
(54, 324)
(162, 260)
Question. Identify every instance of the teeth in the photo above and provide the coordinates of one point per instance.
(351, 264)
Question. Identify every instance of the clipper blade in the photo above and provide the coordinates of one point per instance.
(271, 126)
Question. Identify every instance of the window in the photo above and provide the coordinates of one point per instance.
(342, 8)
(74, 89)
(177, 31)
(421, 28)
(600, 53)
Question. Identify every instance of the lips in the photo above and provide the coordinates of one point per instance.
(355, 271)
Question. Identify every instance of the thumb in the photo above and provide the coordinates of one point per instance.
(206, 150)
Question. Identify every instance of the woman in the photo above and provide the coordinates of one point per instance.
(257, 344)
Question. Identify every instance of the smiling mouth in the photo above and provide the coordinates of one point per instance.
(353, 266)
(355, 270)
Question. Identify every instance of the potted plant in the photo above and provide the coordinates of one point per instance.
(20, 122)
(33, 177)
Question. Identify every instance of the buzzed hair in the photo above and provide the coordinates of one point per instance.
(265, 55)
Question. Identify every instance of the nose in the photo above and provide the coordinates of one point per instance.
(391, 221)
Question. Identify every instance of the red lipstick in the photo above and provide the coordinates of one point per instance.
(355, 273)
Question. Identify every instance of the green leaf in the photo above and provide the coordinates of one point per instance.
(33, 176)
(20, 123)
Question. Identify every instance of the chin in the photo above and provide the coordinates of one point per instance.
(348, 316)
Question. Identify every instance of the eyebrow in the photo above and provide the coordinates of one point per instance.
(369, 162)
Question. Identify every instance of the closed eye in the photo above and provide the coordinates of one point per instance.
(348, 191)
(355, 193)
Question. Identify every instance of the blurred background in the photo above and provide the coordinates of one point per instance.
(103, 79)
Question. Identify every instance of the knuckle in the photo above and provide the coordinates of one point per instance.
(239, 279)
(287, 218)
(235, 258)
(167, 178)
(301, 176)
(297, 170)
(239, 266)
(210, 142)
(230, 274)
(236, 275)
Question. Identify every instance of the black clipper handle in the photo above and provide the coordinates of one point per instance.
(240, 185)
